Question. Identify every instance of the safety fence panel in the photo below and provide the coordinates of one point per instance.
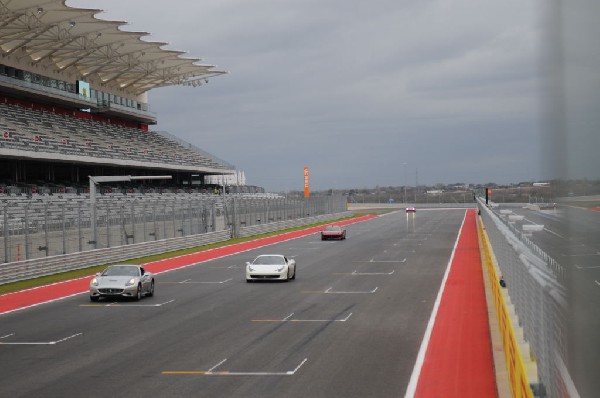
(31, 229)
(534, 286)
(280, 225)
(196, 223)
(21, 270)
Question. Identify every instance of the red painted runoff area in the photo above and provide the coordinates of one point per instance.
(31, 297)
(458, 361)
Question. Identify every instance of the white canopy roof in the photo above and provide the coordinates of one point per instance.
(74, 40)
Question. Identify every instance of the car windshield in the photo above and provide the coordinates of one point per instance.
(269, 260)
(332, 228)
(121, 270)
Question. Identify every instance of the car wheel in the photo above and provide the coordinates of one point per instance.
(151, 291)
(294, 276)
(138, 295)
(94, 298)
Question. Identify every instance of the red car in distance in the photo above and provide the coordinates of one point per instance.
(333, 232)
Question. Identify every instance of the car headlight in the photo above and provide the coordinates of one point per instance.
(281, 268)
(94, 282)
(130, 282)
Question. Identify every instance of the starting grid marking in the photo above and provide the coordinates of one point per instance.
(372, 273)
(371, 261)
(213, 372)
(35, 342)
(189, 281)
(328, 291)
(229, 267)
(116, 304)
(289, 319)
(356, 273)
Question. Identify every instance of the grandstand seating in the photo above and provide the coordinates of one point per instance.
(45, 131)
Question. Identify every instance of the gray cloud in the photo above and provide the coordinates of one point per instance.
(354, 89)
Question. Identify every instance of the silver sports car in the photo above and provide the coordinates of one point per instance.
(122, 280)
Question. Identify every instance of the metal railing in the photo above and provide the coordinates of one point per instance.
(534, 285)
(33, 229)
(28, 269)
(243, 211)
(280, 225)
(41, 238)
(21, 270)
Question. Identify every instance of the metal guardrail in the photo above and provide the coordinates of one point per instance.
(52, 226)
(553, 265)
(277, 226)
(21, 270)
(533, 283)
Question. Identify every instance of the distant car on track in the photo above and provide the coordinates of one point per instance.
(411, 210)
(271, 267)
(333, 232)
(122, 280)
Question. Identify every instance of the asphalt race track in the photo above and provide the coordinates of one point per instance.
(350, 325)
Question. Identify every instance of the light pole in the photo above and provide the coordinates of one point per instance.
(416, 183)
(404, 164)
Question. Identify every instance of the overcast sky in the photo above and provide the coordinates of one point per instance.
(353, 89)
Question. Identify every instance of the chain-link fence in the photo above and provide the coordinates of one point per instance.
(247, 211)
(34, 229)
(534, 284)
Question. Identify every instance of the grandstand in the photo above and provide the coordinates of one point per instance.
(73, 103)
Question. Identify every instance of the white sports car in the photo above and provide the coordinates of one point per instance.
(122, 280)
(271, 267)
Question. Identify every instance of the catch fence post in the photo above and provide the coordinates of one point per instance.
(46, 242)
(5, 232)
(79, 231)
(27, 242)
(64, 230)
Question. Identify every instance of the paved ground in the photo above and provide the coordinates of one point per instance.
(350, 325)
(458, 362)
